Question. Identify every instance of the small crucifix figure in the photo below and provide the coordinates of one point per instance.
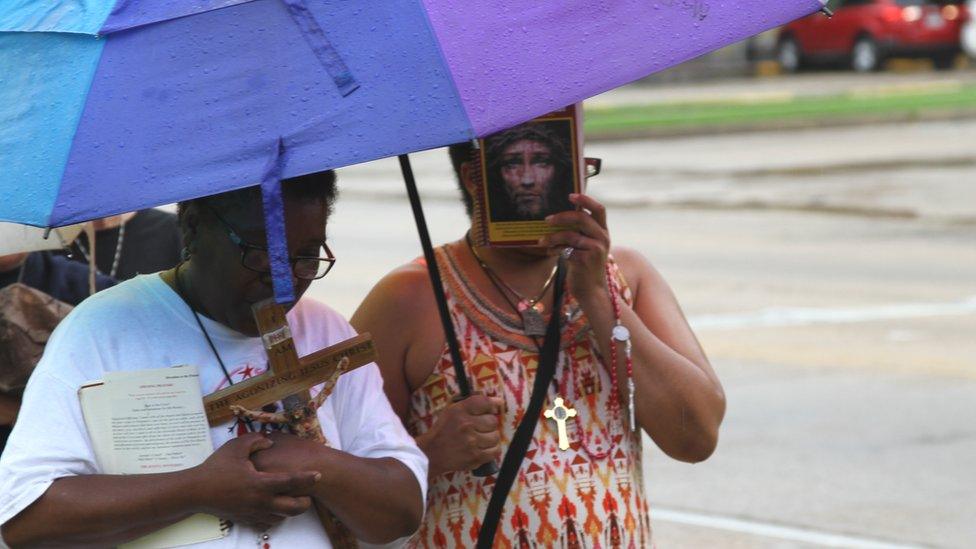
(288, 379)
(301, 419)
(560, 413)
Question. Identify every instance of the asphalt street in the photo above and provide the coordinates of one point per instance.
(831, 277)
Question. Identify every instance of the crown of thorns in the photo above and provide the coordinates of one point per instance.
(533, 131)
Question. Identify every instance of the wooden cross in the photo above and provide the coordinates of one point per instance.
(289, 379)
(560, 413)
(287, 374)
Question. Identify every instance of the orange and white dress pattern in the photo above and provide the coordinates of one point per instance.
(564, 499)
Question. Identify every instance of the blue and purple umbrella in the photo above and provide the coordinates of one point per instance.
(108, 106)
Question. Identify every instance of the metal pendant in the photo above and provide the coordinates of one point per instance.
(532, 321)
(630, 405)
(560, 413)
(621, 333)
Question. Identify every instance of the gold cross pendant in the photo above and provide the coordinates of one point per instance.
(560, 413)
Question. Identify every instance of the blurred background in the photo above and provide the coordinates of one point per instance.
(810, 194)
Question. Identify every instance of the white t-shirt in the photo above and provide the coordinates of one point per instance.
(143, 323)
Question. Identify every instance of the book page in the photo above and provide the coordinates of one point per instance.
(151, 421)
(156, 420)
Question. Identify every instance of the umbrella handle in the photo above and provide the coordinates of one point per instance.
(461, 377)
(486, 469)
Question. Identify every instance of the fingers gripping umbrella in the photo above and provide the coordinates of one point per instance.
(108, 106)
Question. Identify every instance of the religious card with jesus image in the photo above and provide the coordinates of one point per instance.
(524, 174)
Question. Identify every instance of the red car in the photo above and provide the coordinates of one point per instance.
(865, 32)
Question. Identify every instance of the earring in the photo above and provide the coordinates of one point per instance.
(185, 253)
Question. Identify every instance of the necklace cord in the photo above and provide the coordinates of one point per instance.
(492, 274)
(497, 282)
(118, 251)
(183, 294)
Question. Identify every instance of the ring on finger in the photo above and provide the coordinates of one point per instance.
(567, 252)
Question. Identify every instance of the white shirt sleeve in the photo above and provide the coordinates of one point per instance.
(366, 423)
(368, 426)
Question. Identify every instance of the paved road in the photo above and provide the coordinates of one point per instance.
(831, 276)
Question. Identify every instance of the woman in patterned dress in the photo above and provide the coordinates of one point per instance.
(592, 493)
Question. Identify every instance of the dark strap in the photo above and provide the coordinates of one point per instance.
(523, 435)
(464, 386)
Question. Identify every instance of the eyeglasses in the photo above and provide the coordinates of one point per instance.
(593, 166)
(255, 258)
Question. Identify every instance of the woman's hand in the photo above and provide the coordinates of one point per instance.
(291, 454)
(464, 435)
(589, 242)
(231, 487)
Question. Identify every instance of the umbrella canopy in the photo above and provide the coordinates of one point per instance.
(108, 106)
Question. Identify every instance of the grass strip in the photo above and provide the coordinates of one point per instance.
(615, 120)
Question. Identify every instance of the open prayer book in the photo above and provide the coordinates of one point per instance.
(151, 421)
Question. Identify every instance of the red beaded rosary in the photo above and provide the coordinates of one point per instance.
(619, 334)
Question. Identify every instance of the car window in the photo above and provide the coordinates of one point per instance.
(834, 5)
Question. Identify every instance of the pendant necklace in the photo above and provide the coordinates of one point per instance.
(613, 402)
(530, 309)
(118, 252)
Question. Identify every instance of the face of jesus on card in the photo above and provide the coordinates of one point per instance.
(528, 171)
(228, 270)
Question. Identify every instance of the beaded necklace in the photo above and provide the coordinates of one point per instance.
(570, 354)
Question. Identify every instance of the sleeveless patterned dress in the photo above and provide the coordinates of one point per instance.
(565, 499)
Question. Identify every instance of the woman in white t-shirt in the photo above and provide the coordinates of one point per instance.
(373, 478)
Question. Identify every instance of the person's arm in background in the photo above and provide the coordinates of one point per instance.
(62, 278)
(9, 406)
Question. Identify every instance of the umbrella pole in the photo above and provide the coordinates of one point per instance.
(464, 386)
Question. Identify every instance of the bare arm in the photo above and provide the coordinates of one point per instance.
(384, 314)
(105, 510)
(679, 399)
(464, 434)
(94, 510)
(9, 406)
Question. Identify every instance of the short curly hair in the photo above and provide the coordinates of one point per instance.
(313, 186)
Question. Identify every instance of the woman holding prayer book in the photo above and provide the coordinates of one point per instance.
(574, 348)
(262, 484)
